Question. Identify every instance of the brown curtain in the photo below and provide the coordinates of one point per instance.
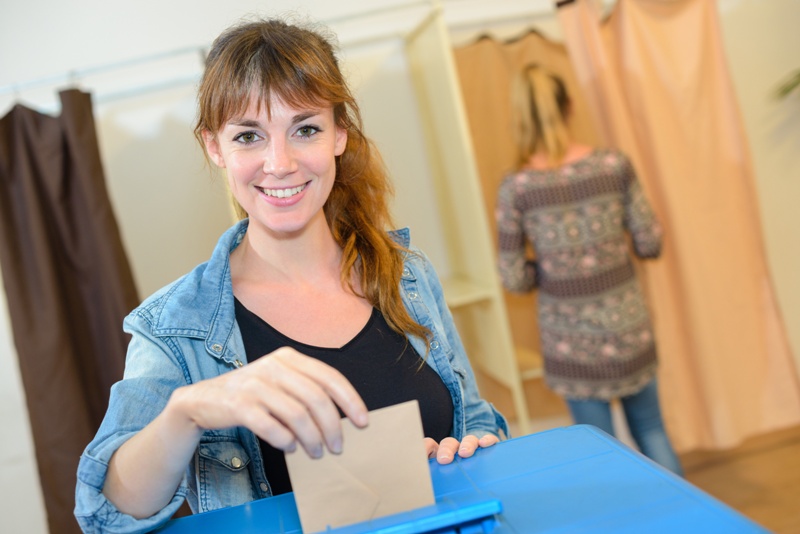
(652, 80)
(68, 285)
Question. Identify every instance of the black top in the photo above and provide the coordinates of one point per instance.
(380, 363)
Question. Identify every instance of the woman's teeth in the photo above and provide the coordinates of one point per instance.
(283, 193)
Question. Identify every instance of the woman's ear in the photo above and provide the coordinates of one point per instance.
(212, 148)
(341, 141)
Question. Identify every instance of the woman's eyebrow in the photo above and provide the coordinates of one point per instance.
(300, 117)
(248, 123)
(251, 123)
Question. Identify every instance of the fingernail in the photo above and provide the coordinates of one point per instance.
(316, 452)
(336, 446)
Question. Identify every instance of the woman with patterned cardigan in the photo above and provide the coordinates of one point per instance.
(573, 205)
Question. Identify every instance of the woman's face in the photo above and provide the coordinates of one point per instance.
(280, 169)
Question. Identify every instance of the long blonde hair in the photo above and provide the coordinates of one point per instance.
(299, 66)
(541, 105)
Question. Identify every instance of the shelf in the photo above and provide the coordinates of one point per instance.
(459, 292)
(530, 363)
(467, 264)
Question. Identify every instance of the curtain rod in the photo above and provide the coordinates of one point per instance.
(515, 15)
(436, 6)
(512, 16)
(74, 74)
(378, 11)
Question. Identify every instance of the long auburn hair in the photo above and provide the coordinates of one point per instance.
(541, 104)
(298, 65)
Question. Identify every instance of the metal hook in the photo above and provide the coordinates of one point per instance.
(72, 78)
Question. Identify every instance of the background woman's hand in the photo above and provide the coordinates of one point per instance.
(284, 397)
(446, 451)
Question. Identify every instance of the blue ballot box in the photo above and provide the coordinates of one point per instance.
(567, 480)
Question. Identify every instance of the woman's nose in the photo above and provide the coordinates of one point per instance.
(279, 159)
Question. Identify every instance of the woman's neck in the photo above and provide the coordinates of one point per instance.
(304, 258)
(575, 152)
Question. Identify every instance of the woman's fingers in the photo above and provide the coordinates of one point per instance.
(431, 447)
(270, 429)
(301, 404)
(468, 446)
(284, 397)
(471, 443)
(488, 440)
(284, 414)
(447, 450)
(335, 385)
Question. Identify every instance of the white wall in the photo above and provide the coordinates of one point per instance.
(157, 178)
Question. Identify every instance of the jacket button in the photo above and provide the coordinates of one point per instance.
(238, 363)
(216, 347)
(236, 462)
(264, 487)
(413, 295)
(406, 272)
(434, 345)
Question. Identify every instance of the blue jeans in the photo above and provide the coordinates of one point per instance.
(643, 415)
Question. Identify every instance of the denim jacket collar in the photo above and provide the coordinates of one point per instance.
(201, 305)
(211, 316)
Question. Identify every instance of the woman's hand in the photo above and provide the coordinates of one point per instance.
(446, 451)
(284, 397)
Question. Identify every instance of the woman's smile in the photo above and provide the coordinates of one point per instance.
(283, 193)
(283, 196)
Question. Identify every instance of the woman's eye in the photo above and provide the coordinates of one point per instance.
(247, 137)
(307, 131)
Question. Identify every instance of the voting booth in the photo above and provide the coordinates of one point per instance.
(571, 479)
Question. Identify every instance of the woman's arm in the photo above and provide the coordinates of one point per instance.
(517, 273)
(284, 398)
(640, 220)
(146, 470)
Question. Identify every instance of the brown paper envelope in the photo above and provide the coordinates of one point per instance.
(383, 470)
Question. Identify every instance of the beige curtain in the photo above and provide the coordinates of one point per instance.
(661, 91)
(655, 84)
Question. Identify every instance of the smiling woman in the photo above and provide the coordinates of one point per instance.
(281, 167)
(309, 309)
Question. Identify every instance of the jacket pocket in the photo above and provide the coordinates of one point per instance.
(223, 475)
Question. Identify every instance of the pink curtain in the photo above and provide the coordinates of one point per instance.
(656, 81)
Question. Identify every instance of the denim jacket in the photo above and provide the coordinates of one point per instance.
(187, 332)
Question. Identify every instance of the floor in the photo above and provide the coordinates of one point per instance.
(760, 478)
